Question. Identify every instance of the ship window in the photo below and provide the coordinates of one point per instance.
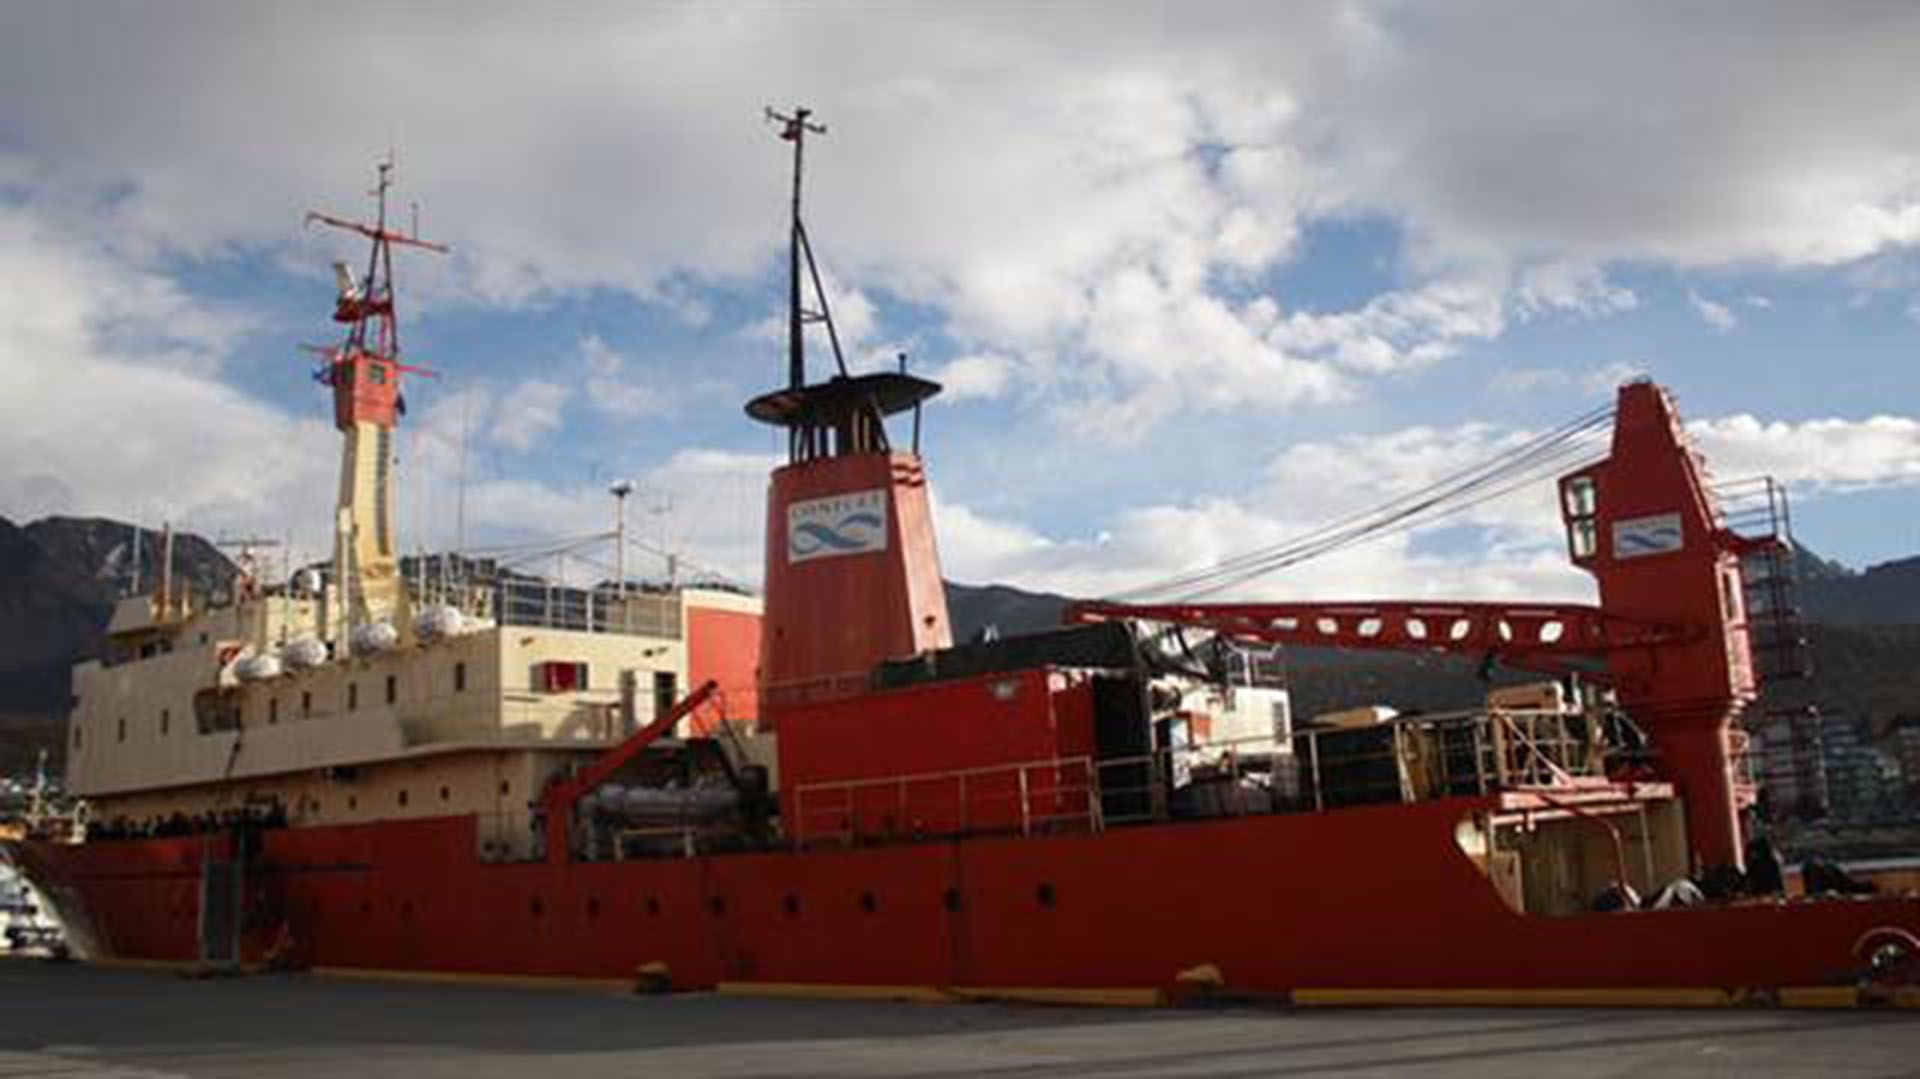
(666, 690)
(393, 689)
(353, 801)
(123, 729)
(403, 798)
(76, 736)
(506, 786)
(166, 720)
(446, 794)
(869, 902)
(1580, 506)
(1583, 537)
(459, 677)
(306, 702)
(560, 676)
(353, 696)
(273, 709)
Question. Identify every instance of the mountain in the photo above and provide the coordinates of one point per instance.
(1863, 631)
(1886, 594)
(59, 579)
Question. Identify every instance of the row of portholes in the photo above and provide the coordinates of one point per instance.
(869, 902)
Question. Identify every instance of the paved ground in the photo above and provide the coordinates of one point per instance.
(76, 1022)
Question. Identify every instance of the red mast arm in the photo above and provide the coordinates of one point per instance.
(1539, 635)
(373, 233)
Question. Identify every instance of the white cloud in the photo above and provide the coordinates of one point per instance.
(1820, 454)
(610, 389)
(92, 422)
(527, 412)
(1506, 548)
(1396, 330)
(975, 376)
(1595, 382)
(1718, 316)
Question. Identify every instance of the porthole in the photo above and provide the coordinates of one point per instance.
(1044, 894)
(653, 905)
(791, 904)
(869, 902)
(537, 907)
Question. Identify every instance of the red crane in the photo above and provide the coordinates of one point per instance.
(1670, 633)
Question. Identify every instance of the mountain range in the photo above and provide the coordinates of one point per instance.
(60, 576)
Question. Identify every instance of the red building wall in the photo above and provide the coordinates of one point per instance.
(724, 645)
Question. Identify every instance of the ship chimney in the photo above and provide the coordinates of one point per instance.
(852, 574)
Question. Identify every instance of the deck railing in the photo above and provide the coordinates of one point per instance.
(1405, 760)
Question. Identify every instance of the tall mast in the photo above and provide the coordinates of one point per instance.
(794, 129)
(364, 371)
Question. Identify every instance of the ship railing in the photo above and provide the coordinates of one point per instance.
(546, 605)
(1043, 797)
(1403, 760)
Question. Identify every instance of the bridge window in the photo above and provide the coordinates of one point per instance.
(1580, 505)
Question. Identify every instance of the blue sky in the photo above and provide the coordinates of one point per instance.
(1199, 277)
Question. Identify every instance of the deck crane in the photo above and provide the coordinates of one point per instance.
(1670, 634)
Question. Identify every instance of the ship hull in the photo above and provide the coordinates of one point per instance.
(1364, 898)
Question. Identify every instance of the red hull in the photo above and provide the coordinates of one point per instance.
(1360, 898)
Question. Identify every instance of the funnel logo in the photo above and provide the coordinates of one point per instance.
(1641, 536)
(843, 524)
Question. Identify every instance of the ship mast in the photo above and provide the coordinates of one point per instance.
(364, 371)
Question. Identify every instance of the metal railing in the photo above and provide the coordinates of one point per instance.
(1044, 797)
(545, 605)
(1405, 760)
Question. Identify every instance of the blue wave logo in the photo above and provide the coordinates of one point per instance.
(854, 532)
(1665, 539)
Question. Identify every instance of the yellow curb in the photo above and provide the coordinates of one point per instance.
(452, 977)
(929, 994)
(1512, 998)
(923, 994)
(1819, 996)
(1082, 998)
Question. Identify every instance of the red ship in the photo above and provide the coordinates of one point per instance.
(1122, 808)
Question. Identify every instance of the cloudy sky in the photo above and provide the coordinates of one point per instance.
(1197, 276)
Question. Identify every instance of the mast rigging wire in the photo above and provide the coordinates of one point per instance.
(1454, 493)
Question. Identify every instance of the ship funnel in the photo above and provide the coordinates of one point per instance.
(852, 572)
(852, 576)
